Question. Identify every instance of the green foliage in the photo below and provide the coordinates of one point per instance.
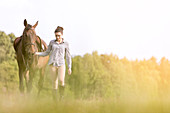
(6, 48)
(8, 65)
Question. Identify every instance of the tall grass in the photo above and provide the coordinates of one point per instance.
(17, 103)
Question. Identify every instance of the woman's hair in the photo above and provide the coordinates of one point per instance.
(59, 29)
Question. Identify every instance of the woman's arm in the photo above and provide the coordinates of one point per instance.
(68, 56)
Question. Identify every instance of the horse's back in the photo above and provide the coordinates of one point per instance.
(16, 43)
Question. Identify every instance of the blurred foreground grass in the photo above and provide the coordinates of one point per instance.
(17, 103)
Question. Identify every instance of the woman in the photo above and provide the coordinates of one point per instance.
(57, 50)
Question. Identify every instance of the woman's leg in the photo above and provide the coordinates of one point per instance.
(54, 79)
(61, 77)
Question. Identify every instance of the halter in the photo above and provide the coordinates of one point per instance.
(30, 44)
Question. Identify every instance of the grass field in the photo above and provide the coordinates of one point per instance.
(17, 103)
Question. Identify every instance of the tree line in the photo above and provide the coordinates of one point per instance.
(94, 75)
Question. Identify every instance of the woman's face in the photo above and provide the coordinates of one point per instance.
(58, 36)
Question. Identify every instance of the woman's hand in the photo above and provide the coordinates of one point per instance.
(35, 53)
(69, 71)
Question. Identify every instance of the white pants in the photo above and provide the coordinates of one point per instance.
(57, 75)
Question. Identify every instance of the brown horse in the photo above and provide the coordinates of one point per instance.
(28, 63)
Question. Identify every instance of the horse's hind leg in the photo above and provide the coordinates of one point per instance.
(41, 80)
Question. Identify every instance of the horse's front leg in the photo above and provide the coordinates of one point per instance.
(26, 78)
(41, 80)
(30, 80)
(21, 80)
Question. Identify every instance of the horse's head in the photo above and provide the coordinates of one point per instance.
(29, 41)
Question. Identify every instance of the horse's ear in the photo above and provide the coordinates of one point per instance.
(25, 22)
(35, 24)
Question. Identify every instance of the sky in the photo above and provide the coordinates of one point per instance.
(135, 29)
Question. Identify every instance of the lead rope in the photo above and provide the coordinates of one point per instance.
(41, 49)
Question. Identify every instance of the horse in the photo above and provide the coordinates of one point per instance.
(25, 46)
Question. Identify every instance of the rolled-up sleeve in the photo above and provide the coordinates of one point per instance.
(68, 56)
(45, 53)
